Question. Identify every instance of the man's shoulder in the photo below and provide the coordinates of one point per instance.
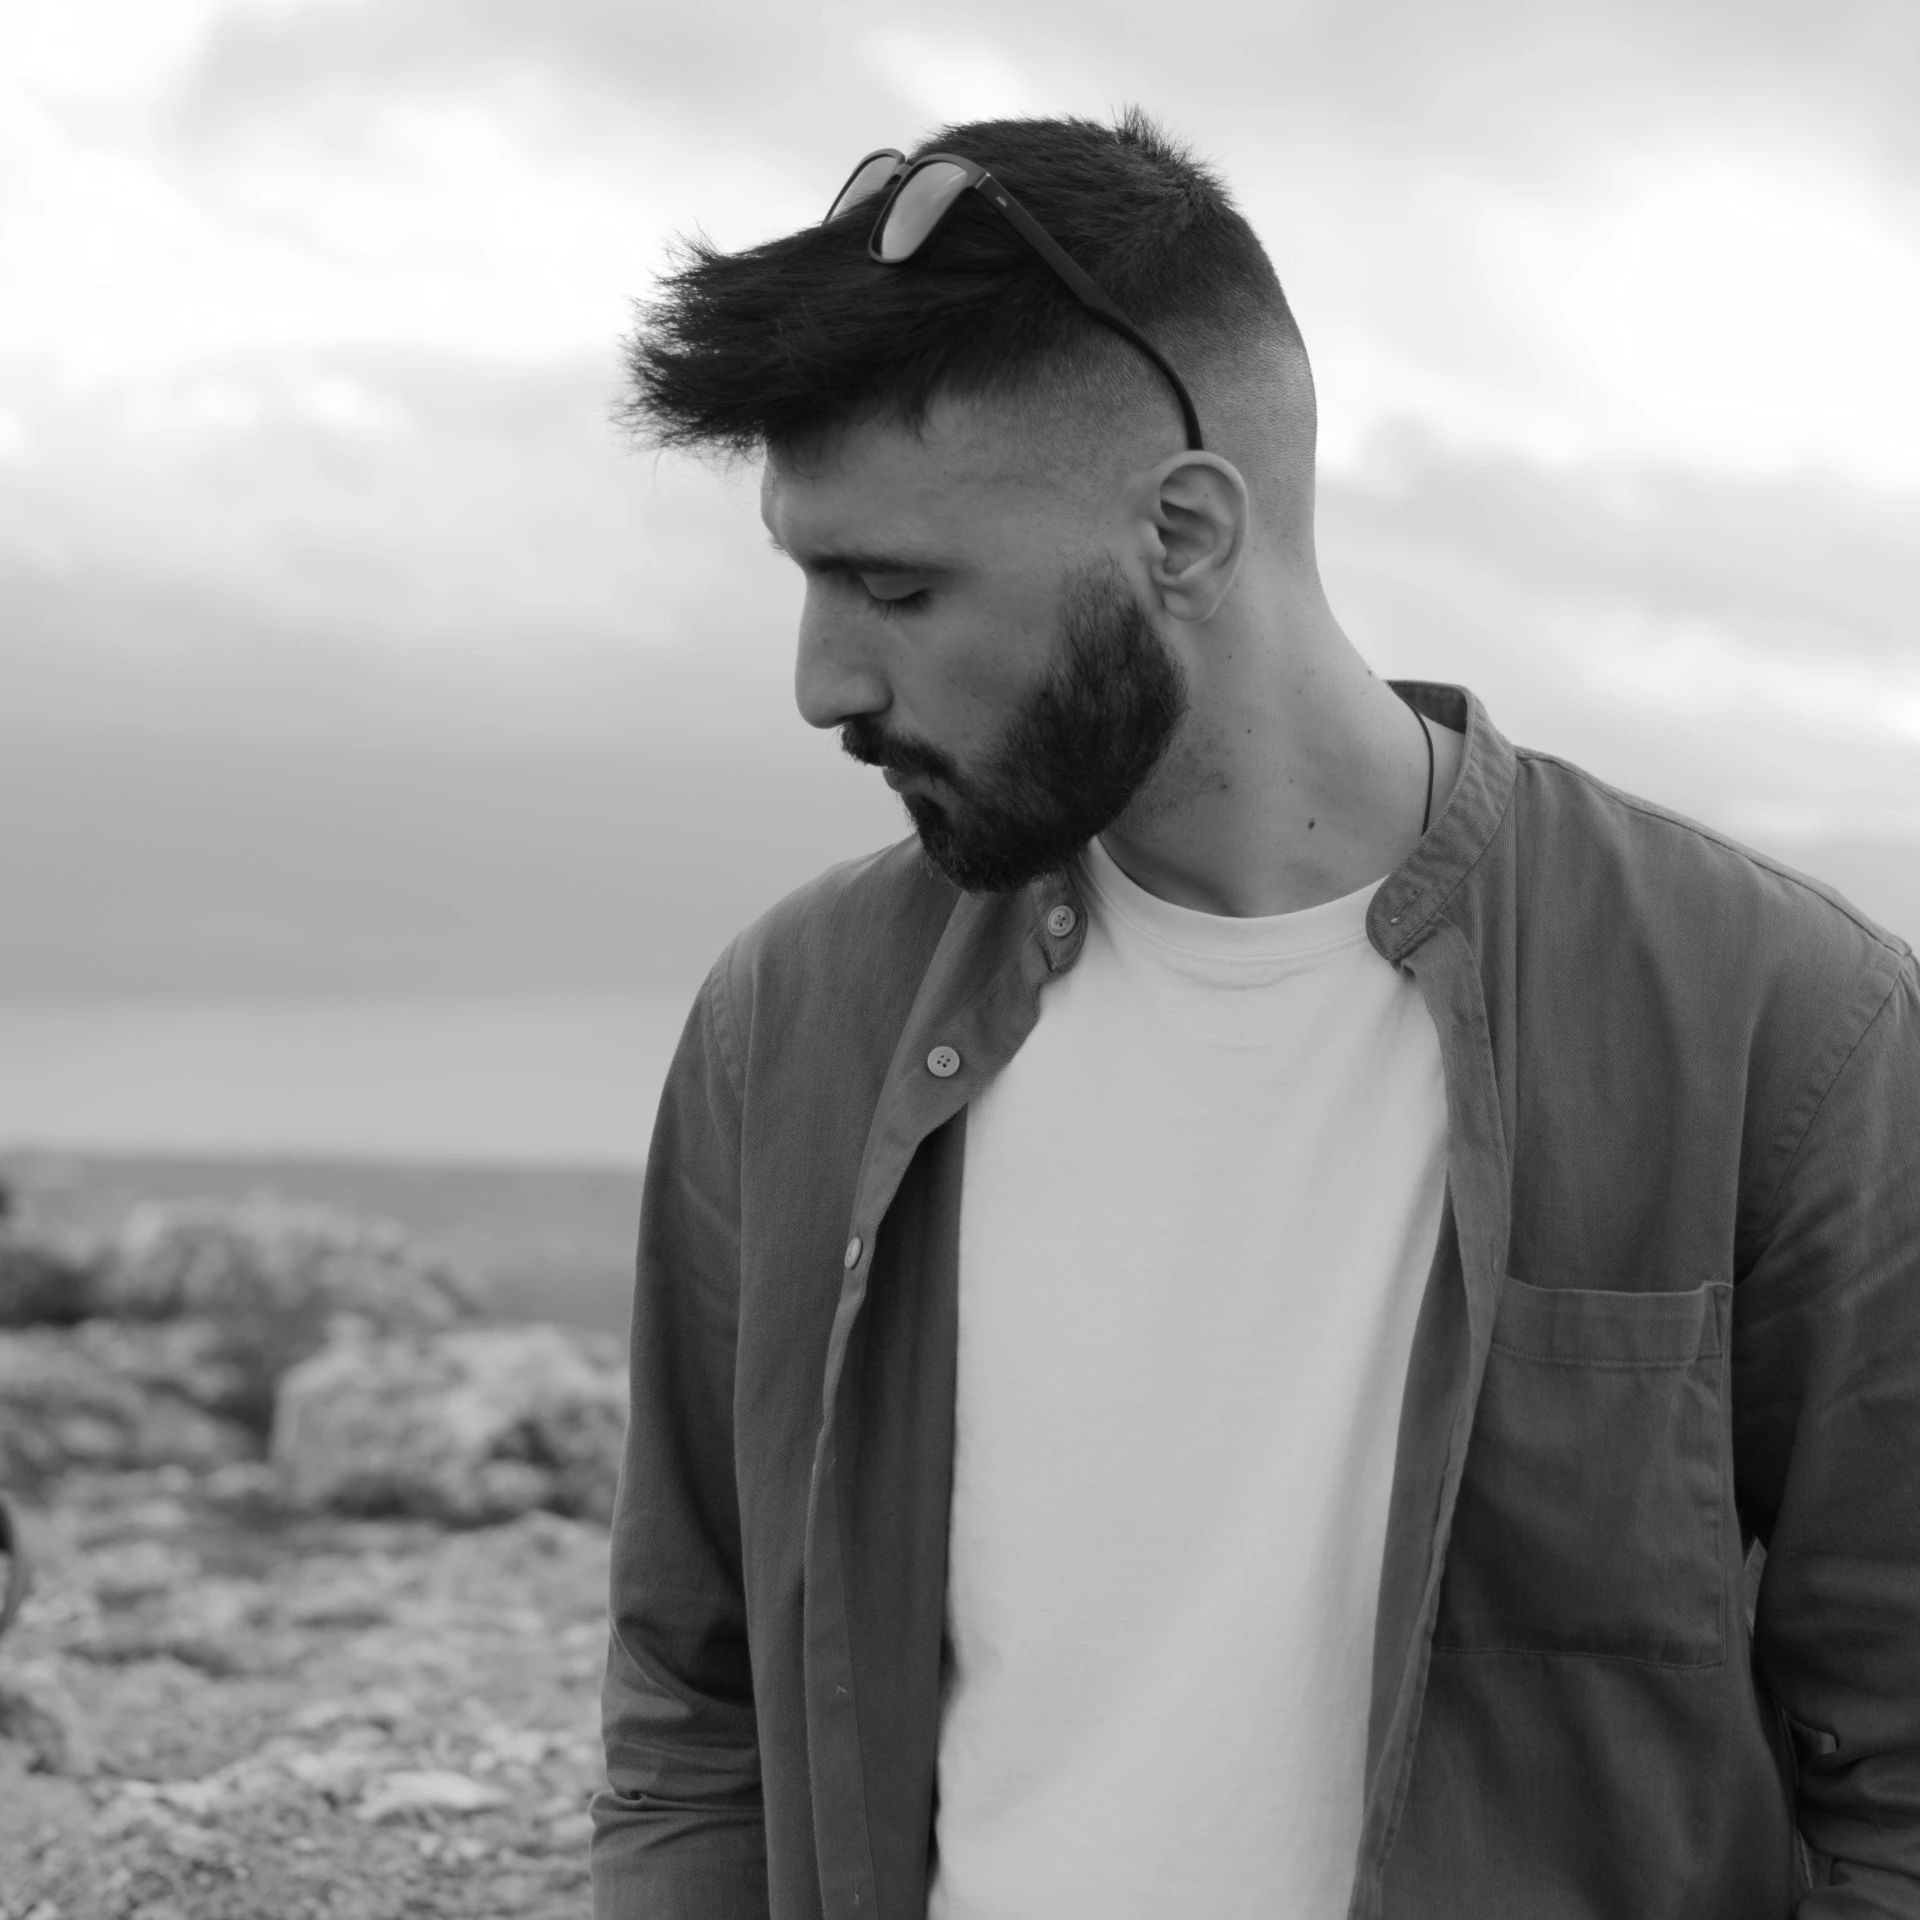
(1635, 873)
(864, 926)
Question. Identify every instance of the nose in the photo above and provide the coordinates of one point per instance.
(835, 678)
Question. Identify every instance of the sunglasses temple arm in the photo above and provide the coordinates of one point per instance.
(1104, 311)
(1094, 300)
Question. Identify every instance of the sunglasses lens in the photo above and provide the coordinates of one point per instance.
(917, 209)
(869, 178)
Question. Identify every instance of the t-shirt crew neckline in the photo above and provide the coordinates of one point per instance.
(1310, 933)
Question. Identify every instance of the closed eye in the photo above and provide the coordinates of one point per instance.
(884, 595)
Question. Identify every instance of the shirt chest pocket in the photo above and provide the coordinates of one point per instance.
(1595, 1489)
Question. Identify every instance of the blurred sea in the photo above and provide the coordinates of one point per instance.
(526, 1079)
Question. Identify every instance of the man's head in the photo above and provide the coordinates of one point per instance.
(1011, 559)
(1072, 754)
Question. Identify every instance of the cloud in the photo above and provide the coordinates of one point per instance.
(309, 350)
(1801, 564)
(207, 802)
(948, 78)
(412, 499)
(1501, 87)
(200, 866)
(1580, 231)
(1740, 312)
(758, 103)
(1742, 653)
(1471, 78)
(110, 52)
(410, 221)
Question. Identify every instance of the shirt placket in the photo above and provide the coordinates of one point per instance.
(957, 1036)
(1477, 1219)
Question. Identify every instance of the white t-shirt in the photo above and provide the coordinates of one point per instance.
(1199, 1208)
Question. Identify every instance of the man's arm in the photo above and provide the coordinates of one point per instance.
(1827, 1444)
(679, 1831)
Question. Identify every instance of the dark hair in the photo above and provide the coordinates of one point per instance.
(771, 346)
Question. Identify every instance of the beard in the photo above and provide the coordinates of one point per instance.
(1076, 752)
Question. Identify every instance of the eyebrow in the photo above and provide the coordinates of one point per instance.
(844, 560)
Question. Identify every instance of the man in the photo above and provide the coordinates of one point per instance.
(1215, 1333)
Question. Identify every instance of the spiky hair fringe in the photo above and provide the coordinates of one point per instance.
(768, 347)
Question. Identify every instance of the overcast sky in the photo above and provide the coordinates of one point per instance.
(343, 645)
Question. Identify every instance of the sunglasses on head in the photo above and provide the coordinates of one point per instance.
(918, 196)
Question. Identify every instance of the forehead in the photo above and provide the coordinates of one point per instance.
(964, 484)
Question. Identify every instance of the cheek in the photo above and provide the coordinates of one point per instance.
(981, 665)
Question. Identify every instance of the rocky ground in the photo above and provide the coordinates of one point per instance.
(214, 1707)
(547, 1243)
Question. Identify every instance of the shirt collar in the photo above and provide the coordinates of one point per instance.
(1411, 896)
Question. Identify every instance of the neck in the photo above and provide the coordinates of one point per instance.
(1297, 776)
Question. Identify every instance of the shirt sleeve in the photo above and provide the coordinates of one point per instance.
(1827, 1449)
(679, 1829)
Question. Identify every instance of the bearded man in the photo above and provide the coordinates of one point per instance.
(1225, 1330)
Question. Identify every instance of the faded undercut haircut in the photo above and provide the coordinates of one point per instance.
(773, 347)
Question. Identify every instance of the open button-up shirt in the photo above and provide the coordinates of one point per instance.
(1673, 1319)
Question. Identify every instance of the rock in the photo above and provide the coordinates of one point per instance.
(468, 1426)
(335, 1771)
(16, 1569)
(247, 1486)
(183, 1838)
(37, 1711)
(62, 1405)
(42, 1284)
(430, 1791)
(125, 1574)
(518, 1748)
(254, 1288)
(282, 1770)
(348, 1605)
(384, 1707)
(263, 1254)
(123, 1646)
(194, 1361)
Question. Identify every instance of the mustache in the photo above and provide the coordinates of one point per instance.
(863, 739)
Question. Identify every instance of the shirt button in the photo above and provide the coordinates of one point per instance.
(943, 1063)
(851, 1258)
(1060, 922)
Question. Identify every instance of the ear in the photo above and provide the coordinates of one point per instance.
(1195, 510)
